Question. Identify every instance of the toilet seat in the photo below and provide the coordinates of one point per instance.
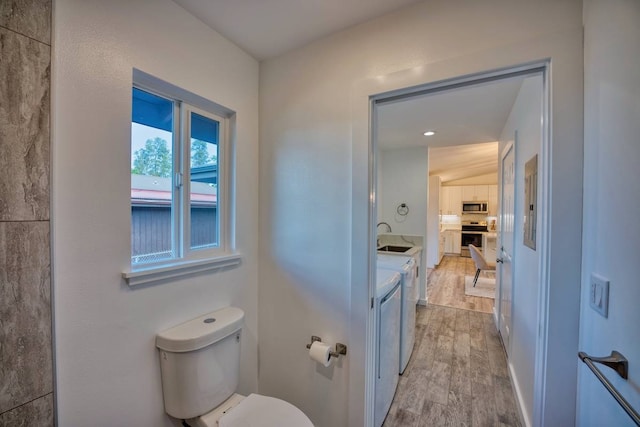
(262, 411)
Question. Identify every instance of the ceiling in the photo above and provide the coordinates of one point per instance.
(463, 161)
(266, 29)
(472, 115)
(467, 121)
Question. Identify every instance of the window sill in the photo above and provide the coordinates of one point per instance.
(146, 275)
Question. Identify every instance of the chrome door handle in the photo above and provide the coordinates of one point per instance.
(499, 260)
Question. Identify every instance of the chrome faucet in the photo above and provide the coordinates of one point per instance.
(388, 226)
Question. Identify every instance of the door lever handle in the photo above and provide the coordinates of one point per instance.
(499, 260)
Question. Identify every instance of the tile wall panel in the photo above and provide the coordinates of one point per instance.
(37, 413)
(25, 313)
(31, 18)
(24, 127)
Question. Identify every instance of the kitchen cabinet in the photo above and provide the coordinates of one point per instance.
(482, 192)
(475, 193)
(451, 203)
(469, 193)
(457, 241)
(452, 240)
(444, 200)
(448, 241)
(493, 200)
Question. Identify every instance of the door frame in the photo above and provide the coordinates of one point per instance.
(385, 89)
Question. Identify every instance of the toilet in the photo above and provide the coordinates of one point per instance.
(200, 367)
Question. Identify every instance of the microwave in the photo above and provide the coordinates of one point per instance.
(475, 207)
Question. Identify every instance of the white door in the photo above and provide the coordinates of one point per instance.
(505, 250)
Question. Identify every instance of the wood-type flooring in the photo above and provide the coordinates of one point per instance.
(445, 285)
(457, 374)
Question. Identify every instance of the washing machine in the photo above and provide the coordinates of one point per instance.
(407, 268)
(388, 303)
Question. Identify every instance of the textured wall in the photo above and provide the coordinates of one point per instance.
(26, 385)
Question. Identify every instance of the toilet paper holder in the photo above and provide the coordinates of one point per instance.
(341, 349)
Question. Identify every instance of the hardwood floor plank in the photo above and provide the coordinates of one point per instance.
(497, 358)
(461, 344)
(505, 402)
(479, 367)
(477, 340)
(462, 321)
(401, 418)
(483, 408)
(460, 375)
(415, 389)
(438, 380)
(458, 410)
(433, 414)
(448, 326)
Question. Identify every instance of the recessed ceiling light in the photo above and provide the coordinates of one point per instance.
(429, 133)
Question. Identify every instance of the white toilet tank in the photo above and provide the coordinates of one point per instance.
(200, 362)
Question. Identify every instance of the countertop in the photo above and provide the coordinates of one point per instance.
(411, 252)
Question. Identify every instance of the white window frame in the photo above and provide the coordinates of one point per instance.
(186, 260)
(185, 190)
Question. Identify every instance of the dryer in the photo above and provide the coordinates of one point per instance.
(407, 268)
(388, 302)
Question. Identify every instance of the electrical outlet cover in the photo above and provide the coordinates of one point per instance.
(599, 294)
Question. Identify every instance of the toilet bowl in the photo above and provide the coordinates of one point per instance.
(200, 368)
(253, 410)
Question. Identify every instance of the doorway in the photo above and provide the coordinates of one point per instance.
(379, 138)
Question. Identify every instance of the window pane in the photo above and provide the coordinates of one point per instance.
(204, 181)
(151, 178)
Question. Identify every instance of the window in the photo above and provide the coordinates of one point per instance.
(179, 205)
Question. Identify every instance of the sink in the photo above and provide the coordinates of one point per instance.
(392, 248)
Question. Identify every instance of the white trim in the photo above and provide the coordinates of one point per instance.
(179, 268)
(525, 418)
(222, 225)
(183, 256)
(544, 274)
(375, 95)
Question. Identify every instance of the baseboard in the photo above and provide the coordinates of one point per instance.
(422, 302)
(525, 419)
(495, 316)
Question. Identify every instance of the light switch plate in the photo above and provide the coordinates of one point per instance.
(599, 294)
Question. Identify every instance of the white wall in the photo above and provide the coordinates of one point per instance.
(314, 188)
(404, 174)
(525, 120)
(611, 203)
(107, 364)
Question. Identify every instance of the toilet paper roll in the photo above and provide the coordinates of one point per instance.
(319, 352)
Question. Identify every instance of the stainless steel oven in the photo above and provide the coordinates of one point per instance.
(471, 235)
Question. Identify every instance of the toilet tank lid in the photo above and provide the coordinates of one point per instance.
(201, 331)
